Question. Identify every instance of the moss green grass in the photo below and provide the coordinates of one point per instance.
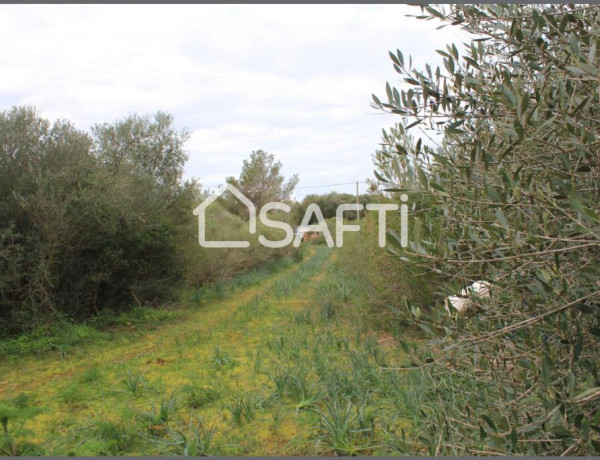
(279, 363)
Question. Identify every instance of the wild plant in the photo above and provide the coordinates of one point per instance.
(278, 344)
(90, 375)
(199, 444)
(328, 307)
(338, 424)
(133, 381)
(294, 350)
(281, 289)
(243, 407)
(118, 439)
(363, 369)
(157, 419)
(71, 394)
(301, 389)
(196, 396)
(11, 413)
(280, 379)
(257, 361)
(240, 408)
(365, 417)
(237, 409)
(277, 416)
(303, 317)
(220, 290)
(222, 360)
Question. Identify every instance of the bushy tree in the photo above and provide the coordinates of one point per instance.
(513, 189)
(147, 146)
(78, 231)
(261, 181)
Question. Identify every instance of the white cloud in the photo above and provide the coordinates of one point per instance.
(295, 80)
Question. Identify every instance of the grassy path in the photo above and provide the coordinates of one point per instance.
(282, 367)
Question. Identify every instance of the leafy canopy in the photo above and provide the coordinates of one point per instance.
(512, 197)
(261, 181)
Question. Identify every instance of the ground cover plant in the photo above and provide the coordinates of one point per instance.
(260, 371)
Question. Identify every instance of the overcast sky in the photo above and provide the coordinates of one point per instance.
(295, 80)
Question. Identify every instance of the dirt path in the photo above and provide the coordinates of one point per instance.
(88, 383)
(31, 373)
(245, 375)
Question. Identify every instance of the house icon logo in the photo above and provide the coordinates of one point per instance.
(305, 226)
(200, 211)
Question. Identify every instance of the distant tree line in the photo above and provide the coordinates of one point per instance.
(328, 204)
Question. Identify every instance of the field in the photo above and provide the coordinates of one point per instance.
(270, 363)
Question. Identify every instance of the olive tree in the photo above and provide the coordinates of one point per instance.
(514, 199)
(145, 145)
(86, 222)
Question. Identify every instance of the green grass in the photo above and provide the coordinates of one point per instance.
(133, 382)
(196, 396)
(278, 362)
(61, 336)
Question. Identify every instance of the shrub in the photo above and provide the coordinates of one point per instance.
(78, 232)
(384, 283)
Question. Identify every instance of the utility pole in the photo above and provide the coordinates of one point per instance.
(357, 208)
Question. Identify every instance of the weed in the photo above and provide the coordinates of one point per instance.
(11, 413)
(240, 409)
(363, 369)
(282, 288)
(116, 437)
(280, 382)
(295, 383)
(248, 310)
(306, 360)
(339, 424)
(278, 344)
(157, 419)
(305, 393)
(90, 375)
(71, 394)
(344, 293)
(343, 343)
(319, 361)
(179, 345)
(343, 384)
(199, 444)
(196, 396)
(22, 400)
(220, 290)
(328, 307)
(133, 381)
(199, 295)
(277, 416)
(202, 440)
(257, 361)
(294, 350)
(303, 317)
(365, 417)
(57, 336)
(222, 360)
(244, 406)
